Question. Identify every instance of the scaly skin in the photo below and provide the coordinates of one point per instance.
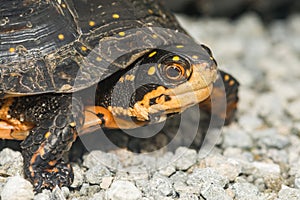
(56, 118)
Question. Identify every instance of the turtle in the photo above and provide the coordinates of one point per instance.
(70, 67)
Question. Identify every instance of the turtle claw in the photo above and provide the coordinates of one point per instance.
(59, 175)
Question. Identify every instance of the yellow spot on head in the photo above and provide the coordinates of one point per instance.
(61, 37)
(129, 77)
(92, 23)
(231, 83)
(188, 73)
(116, 16)
(47, 135)
(179, 46)
(195, 57)
(152, 54)
(211, 58)
(99, 59)
(226, 78)
(151, 70)
(121, 79)
(12, 50)
(176, 58)
(121, 34)
(83, 48)
(72, 124)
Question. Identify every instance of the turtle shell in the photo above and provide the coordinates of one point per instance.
(63, 46)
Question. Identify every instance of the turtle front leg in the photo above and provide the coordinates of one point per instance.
(223, 100)
(56, 118)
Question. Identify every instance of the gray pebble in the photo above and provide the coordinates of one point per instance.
(95, 174)
(287, 193)
(106, 182)
(11, 162)
(78, 176)
(236, 138)
(133, 173)
(161, 186)
(269, 106)
(58, 194)
(179, 176)
(214, 192)
(123, 190)
(293, 109)
(185, 158)
(7, 155)
(250, 122)
(44, 195)
(88, 190)
(165, 164)
(108, 160)
(245, 191)
(184, 188)
(228, 168)
(270, 138)
(278, 156)
(200, 178)
(17, 188)
(188, 196)
(84, 189)
(262, 169)
(98, 196)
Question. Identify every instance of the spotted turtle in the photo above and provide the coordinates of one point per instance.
(69, 67)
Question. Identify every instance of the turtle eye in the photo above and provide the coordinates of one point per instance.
(174, 71)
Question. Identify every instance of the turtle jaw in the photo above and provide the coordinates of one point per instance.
(157, 104)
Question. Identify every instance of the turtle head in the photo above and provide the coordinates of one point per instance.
(167, 81)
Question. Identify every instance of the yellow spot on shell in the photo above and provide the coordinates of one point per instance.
(121, 34)
(151, 71)
(116, 16)
(61, 37)
(154, 36)
(92, 23)
(152, 54)
(47, 135)
(195, 57)
(176, 58)
(83, 48)
(179, 46)
(99, 59)
(72, 124)
(63, 5)
(12, 50)
(226, 78)
(231, 83)
(150, 11)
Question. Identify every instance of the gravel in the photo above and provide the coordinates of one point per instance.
(256, 157)
(22, 192)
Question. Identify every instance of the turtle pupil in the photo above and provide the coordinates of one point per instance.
(173, 72)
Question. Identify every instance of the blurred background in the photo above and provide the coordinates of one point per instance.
(266, 9)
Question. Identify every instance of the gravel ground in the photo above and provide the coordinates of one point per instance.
(256, 157)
